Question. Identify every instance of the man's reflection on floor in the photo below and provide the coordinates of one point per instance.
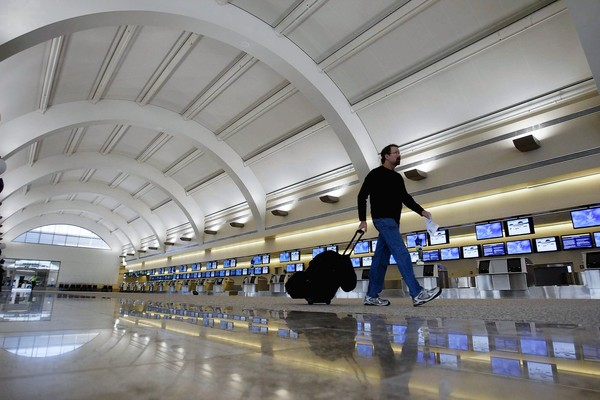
(329, 336)
(395, 370)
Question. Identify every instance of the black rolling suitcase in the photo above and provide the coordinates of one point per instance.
(326, 273)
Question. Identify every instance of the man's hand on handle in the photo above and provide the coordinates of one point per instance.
(362, 226)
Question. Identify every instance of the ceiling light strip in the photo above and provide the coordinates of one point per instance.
(54, 58)
(301, 13)
(74, 140)
(264, 107)
(159, 141)
(119, 46)
(241, 65)
(184, 44)
(183, 162)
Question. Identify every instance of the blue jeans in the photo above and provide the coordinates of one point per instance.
(389, 243)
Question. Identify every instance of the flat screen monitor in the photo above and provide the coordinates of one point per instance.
(597, 238)
(233, 262)
(256, 260)
(393, 260)
(493, 249)
(362, 247)
(332, 247)
(471, 251)
(226, 263)
(546, 244)
(258, 271)
(519, 226)
(299, 267)
(290, 268)
(355, 261)
(414, 257)
(238, 272)
(266, 258)
(284, 257)
(295, 255)
(265, 270)
(579, 241)
(450, 253)
(518, 247)
(414, 239)
(505, 366)
(367, 261)
(585, 218)
(373, 245)
(491, 230)
(317, 250)
(431, 255)
(438, 238)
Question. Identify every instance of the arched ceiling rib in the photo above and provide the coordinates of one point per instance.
(78, 206)
(65, 219)
(237, 28)
(19, 177)
(22, 200)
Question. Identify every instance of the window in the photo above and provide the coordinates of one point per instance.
(63, 235)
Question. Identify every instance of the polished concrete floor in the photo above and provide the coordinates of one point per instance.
(150, 346)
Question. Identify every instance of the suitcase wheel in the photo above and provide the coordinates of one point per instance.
(310, 301)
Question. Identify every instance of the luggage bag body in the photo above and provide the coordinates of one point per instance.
(326, 273)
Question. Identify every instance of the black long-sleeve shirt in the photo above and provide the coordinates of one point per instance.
(386, 191)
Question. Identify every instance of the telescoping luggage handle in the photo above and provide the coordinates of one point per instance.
(355, 239)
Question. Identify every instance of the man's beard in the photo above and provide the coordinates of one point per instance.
(397, 161)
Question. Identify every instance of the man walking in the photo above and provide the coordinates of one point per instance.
(386, 191)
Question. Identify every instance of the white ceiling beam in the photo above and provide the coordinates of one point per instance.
(157, 143)
(113, 139)
(183, 162)
(74, 140)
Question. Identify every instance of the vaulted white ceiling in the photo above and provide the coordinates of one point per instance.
(153, 120)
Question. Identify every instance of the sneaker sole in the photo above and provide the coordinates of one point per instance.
(377, 305)
(434, 297)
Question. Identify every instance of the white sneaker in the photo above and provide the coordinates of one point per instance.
(376, 301)
(426, 295)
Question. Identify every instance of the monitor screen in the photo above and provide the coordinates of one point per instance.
(299, 267)
(290, 268)
(332, 247)
(373, 245)
(266, 258)
(450, 253)
(505, 366)
(518, 247)
(295, 255)
(414, 239)
(233, 262)
(519, 226)
(471, 251)
(585, 218)
(414, 257)
(393, 260)
(431, 255)
(597, 238)
(265, 270)
(440, 237)
(355, 261)
(256, 260)
(361, 247)
(580, 241)
(238, 272)
(257, 270)
(493, 249)
(317, 250)
(367, 261)
(284, 257)
(226, 263)
(490, 230)
(546, 244)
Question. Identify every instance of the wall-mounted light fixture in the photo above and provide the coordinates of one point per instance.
(141, 251)
(152, 248)
(237, 224)
(526, 143)
(415, 174)
(329, 199)
(279, 213)
(210, 232)
(185, 239)
(131, 254)
(169, 243)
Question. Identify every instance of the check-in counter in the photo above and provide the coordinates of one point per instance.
(277, 284)
(255, 285)
(502, 273)
(427, 275)
(362, 280)
(223, 286)
(208, 285)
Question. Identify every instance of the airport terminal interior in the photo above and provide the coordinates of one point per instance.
(166, 167)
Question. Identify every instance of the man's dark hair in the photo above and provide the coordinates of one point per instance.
(387, 150)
